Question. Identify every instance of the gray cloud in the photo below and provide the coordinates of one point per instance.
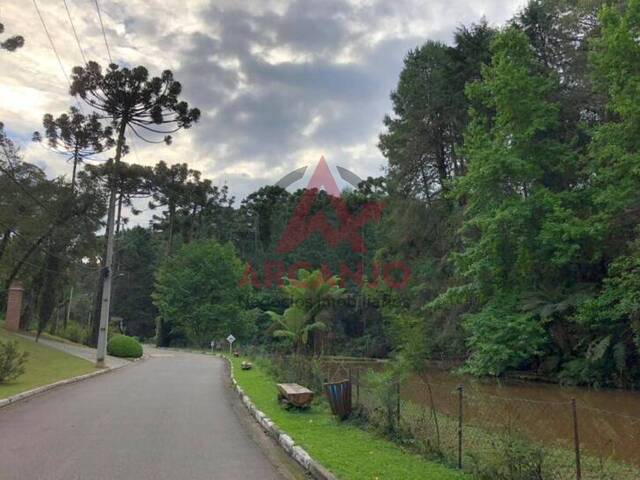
(279, 82)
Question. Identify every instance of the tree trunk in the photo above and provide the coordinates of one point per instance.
(172, 215)
(119, 214)
(76, 160)
(6, 236)
(48, 294)
(16, 269)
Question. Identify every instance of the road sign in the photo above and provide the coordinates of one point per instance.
(230, 339)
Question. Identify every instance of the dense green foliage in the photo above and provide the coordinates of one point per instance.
(124, 346)
(524, 258)
(198, 293)
(310, 312)
(511, 195)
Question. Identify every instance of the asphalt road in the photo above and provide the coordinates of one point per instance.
(169, 417)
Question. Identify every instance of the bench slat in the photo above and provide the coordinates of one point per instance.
(295, 394)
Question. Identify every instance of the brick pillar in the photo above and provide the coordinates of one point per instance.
(14, 307)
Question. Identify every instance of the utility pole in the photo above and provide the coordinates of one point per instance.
(107, 273)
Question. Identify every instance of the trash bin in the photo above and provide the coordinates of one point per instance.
(339, 396)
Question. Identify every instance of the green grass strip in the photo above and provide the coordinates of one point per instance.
(45, 365)
(348, 451)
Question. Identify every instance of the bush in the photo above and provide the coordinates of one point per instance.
(294, 369)
(12, 361)
(75, 332)
(123, 346)
(502, 338)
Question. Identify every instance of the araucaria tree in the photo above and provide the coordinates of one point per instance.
(75, 135)
(147, 106)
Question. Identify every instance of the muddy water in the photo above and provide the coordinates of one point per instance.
(608, 420)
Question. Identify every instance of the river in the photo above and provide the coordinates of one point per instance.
(608, 420)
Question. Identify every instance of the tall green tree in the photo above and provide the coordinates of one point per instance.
(76, 136)
(138, 260)
(132, 100)
(198, 294)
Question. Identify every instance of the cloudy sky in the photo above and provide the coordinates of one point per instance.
(280, 83)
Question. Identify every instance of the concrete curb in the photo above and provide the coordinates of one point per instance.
(5, 402)
(312, 467)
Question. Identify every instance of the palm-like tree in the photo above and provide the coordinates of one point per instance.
(311, 295)
(294, 324)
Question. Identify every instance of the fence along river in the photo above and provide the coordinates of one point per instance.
(609, 420)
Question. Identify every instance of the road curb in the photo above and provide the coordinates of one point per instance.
(296, 452)
(5, 402)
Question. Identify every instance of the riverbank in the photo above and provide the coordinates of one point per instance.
(347, 451)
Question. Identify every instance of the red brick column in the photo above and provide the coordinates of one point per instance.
(14, 307)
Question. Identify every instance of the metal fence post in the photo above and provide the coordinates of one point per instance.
(358, 386)
(576, 439)
(460, 422)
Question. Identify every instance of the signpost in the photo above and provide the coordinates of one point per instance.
(231, 339)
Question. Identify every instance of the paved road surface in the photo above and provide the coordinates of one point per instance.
(169, 417)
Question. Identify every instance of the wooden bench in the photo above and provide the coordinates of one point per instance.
(295, 395)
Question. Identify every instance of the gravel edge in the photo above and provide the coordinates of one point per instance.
(296, 452)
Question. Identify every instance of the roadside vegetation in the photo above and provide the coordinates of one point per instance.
(346, 450)
(502, 235)
(43, 366)
(510, 203)
(124, 347)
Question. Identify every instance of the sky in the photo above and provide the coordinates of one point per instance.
(279, 83)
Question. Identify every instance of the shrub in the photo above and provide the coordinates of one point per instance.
(12, 361)
(294, 369)
(75, 332)
(383, 406)
(123, 346)
(502, 338)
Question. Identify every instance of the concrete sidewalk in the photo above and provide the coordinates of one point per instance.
(77, 350)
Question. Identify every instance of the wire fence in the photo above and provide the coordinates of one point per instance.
(496, 436)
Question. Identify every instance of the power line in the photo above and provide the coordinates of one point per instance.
(53, 47)
(75, 33)
(55, 51)
(104, 35)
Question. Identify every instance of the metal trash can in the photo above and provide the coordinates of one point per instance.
(339, 396)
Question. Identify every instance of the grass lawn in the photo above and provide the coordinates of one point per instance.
(44, 366)
(348, 451)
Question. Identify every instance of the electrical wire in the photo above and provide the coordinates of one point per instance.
(55, 50)
(104, 34)
(75, 33)
(53, 47)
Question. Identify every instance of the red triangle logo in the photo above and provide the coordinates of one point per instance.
(322, 179)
